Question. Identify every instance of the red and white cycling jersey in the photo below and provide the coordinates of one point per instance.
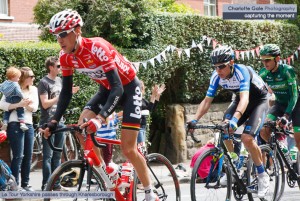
(94, 58)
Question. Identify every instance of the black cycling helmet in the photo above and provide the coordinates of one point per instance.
(221, 55)
(270, 50)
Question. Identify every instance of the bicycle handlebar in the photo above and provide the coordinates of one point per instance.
(221, 127)
(96, 143)
(273, 126)
(71, 128)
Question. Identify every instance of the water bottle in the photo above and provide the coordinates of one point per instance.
(285, 152)
(234, 158)
(126, 174)
(113, 171)
(243, 158)
(293, 154)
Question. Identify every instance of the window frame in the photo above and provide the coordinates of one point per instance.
(207, 6)
(4, 5)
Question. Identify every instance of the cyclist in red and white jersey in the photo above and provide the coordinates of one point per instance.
(118, 85)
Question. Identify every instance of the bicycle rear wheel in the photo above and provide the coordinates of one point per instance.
(211, 190)
(271, 165)
(37, 150)
(70, 150)
(72, 176)
(163, 177)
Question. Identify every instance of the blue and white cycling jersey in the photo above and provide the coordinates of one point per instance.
(244, 79)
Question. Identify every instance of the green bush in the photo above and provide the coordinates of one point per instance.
(186, 78)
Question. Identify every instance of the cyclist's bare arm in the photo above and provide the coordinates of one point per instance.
(203, 107)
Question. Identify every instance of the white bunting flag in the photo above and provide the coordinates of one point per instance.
(188, 52)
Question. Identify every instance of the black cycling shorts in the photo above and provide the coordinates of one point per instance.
(253, 117)
(278, 110)
(131, 103)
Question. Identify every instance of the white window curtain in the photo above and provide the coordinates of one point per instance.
(210, 7)
(3, 7)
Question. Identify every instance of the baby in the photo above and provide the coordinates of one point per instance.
(13, 94)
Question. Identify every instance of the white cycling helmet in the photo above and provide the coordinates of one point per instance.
(65, 20)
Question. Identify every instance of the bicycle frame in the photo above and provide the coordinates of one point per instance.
(274, 144)
(222, 149)
(92, 160)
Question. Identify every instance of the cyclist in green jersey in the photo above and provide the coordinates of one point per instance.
(282, 80)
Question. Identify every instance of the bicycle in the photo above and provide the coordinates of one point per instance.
(217, 162)
(92, 175)
(292, 175)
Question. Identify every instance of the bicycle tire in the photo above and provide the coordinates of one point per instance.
(272, 170)
(199, 190)
(282, 176)
(66, 181)
(70, 149)
(37, 152)
(164, 179)
(297, 167)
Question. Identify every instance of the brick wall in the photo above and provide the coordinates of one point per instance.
(19, 32)
(194, 4)
(22, 10)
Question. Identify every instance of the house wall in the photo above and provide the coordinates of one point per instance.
(198, 4)
(21, 11)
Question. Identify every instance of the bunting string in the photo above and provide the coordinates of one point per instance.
(239, 54)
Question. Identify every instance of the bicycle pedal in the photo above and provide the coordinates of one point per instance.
(252, 189)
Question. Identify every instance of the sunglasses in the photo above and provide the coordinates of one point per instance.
(62, 34)
(220, 67)
(57, 66)
(267, 59)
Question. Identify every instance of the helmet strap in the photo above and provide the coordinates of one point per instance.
(231, 72)
(76, 42)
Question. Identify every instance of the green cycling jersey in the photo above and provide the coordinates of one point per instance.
(284, 85)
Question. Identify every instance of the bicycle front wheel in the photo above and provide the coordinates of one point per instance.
(271, 164)
(163, 177)
(205, 180)
(72, 176)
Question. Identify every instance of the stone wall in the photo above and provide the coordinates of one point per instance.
(182, 149)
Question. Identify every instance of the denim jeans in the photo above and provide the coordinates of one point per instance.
(19, 110)
(21, 143)
(52, 159)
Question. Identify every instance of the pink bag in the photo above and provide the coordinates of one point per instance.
(205, 166)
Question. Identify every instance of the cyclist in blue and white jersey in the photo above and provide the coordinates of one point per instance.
(249, 106)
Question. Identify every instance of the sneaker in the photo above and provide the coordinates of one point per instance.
(21, 189)
(223, 180)
(28, 188)
(59, 188)
(263, 184)
(4, 127)
(23, 127)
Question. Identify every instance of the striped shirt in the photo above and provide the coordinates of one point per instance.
(10, 88)
(108, 131)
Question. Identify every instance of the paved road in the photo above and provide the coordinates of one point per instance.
(290, 194)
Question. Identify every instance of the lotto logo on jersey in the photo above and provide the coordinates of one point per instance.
(99, 52)
(138, 103)
(122, 65)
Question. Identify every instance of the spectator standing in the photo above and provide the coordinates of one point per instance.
(21, 141)
(49, 89)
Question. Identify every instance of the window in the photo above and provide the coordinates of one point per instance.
(210, 7)
(3, 7)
